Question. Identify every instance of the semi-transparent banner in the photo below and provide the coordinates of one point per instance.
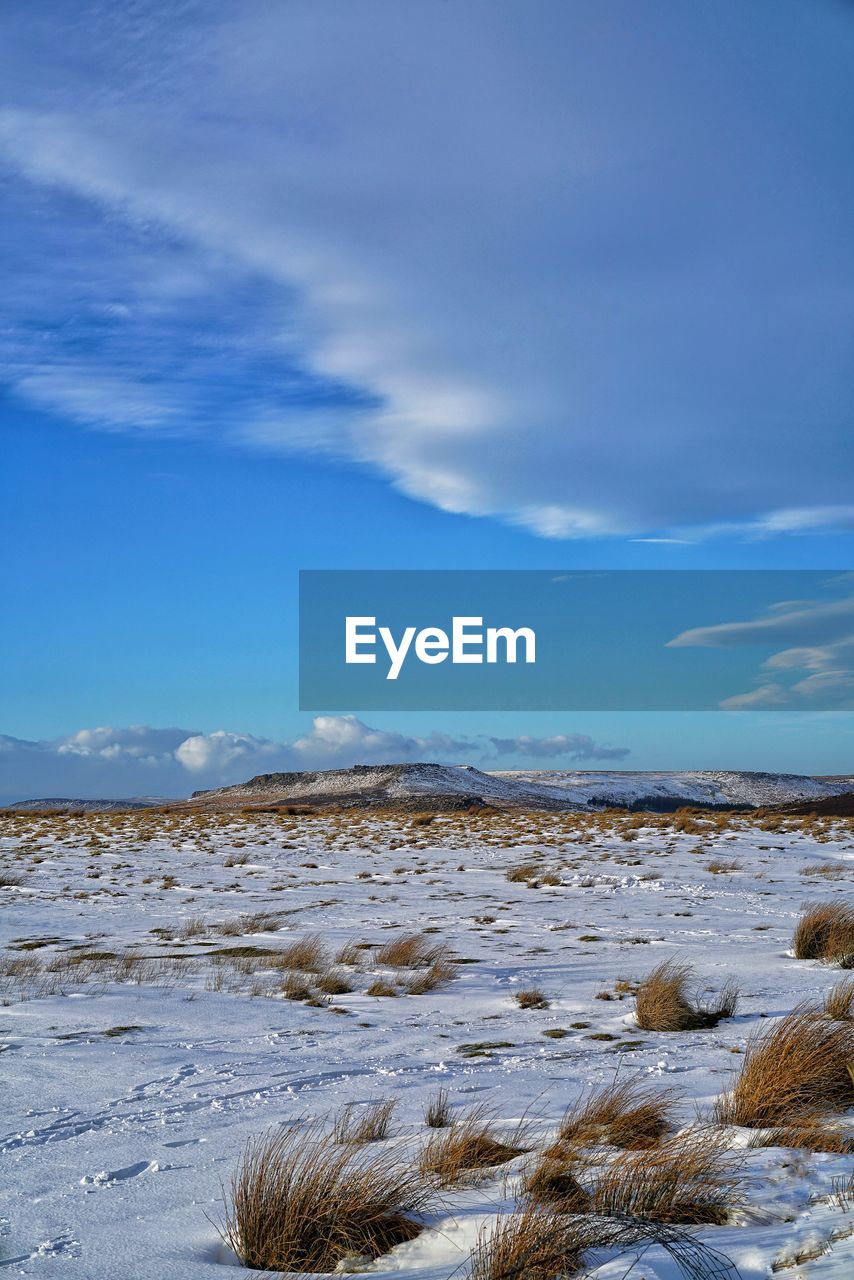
(544, 640)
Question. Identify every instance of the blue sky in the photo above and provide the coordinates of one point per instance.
(403, 286)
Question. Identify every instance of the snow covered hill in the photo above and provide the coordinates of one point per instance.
(448, 786)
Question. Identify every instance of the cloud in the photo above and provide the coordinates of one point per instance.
(573, 746)
(819, 640)
(219, 752)
(799, 624)
(139, 760)
(583, 277)
(137, 742)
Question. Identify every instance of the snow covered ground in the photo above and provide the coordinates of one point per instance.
(141, 1050)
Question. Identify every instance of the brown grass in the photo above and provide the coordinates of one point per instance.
(839, 1003)
(664, 1001)
(533, 1243)
(437, 1113)
(308, 955)
(410, 951)
(351, 954)
(300, 1202)
(369, 1124)
(379, 987)
(825, 932)
(553, 1181)
(624, 1114)
(532, 998)
(464, 1151)
(690, 1178)
(813, 1133)
(334, 984)
(522, 874)
(295, 987)
(796, 1068)
(438, 974)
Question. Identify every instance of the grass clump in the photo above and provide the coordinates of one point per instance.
(839, 1003)
(798, 1068)
(624, 1114)
(334, 984)
(462, 1152)
(813, 1133)
(301, 1202)
(438, 974)
(553, 1182)
(826, 932)
(307, 955)
(372, 1124)
(689, 1179)
(379, 987)
(437, 1113)
(664, 1001)
(410, 951)
(295, 987)
(533, 1242)
(532, 998)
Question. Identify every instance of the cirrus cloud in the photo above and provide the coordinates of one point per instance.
(588, 276)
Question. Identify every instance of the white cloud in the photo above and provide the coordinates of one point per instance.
(140, 760)
(819, 640)
(137, 742)
(219, 752)
(555, 296)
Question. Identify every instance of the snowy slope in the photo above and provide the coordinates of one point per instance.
(728, 787)
(550, 788)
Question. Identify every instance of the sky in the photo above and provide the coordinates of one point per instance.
(470, 285)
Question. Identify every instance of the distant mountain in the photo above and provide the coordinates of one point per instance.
(436, 786)
(63, 805)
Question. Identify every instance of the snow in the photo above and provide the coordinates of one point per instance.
(127, 1103)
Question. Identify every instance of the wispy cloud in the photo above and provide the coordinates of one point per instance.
(817, 657)
(589, 278)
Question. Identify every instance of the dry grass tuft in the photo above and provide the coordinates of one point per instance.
(623, 1114)
(295, 987)
(796, 1068)
(690, 1178)
(301, 1202)
(308, 955)
(379, 987)
(522, 874)
(410, 951)
(438, 974)
(371, 1124)
(541, 1242)
(826, 932)
(840, 1001)
(437, 1113)
(552, 1181)
(664, 1002)
(464, 1151)
(533, 1243)
(813, 1133)
(334, 984)
(351, 954)
(532, 999)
